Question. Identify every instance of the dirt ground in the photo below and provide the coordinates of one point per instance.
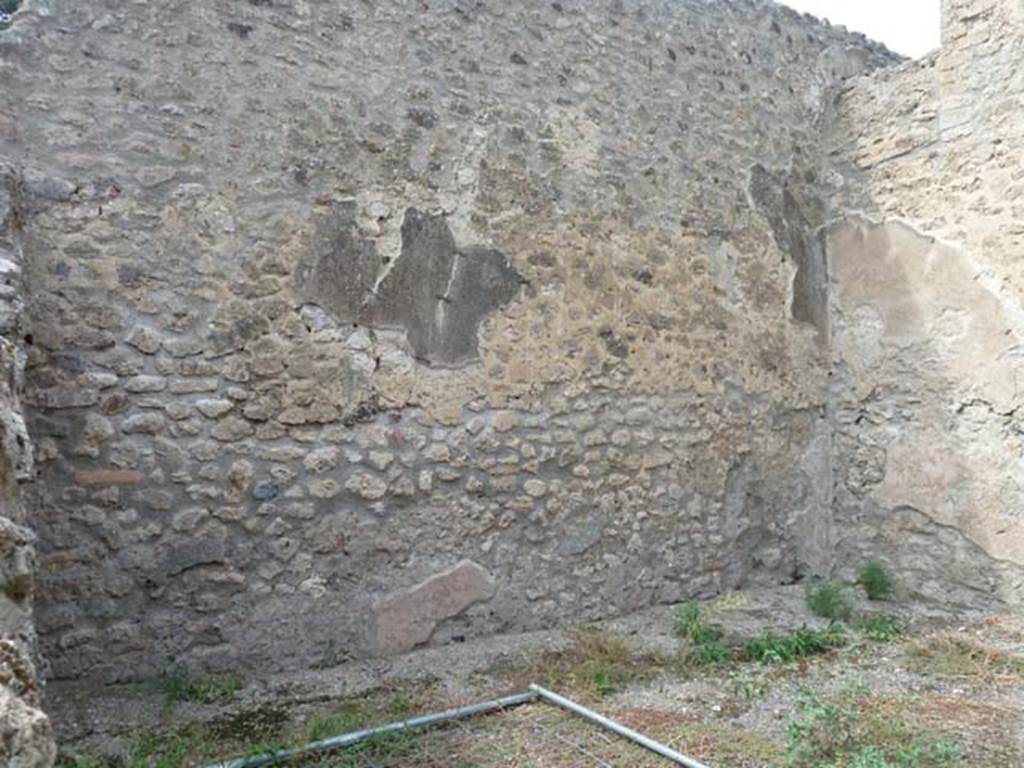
(946, 690)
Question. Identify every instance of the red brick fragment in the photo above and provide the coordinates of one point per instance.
(108, 477)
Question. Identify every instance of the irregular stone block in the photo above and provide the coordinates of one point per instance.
(231, 429)
(17, 560)
(366, 485)
(213, 408)
(67, 397)
(143, 423)
(321, 460)
(535, 488)
(146, 340)
(140, 384)
(407, 618)
(26, 736)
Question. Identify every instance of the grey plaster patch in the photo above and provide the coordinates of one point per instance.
(437, 292)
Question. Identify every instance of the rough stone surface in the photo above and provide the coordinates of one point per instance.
(408, 618)
(531, 285)
(26, 737)
(929, 311)
(320, 309)
(435, 291)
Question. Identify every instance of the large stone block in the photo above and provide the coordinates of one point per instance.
(408, 618)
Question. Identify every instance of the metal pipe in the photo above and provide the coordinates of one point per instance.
(611, 725)
(348, 739)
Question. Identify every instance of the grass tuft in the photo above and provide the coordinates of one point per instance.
(691, 625)
(829, 600)
(351, 718)
(958, 656)
(847, 731)
(770, 648)
(881, 628)
(597, 663)
(711, 654)
(179, 684)
(877, 581)
(706, 645)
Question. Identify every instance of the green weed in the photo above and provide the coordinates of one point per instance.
(770, 648)
(165, 752)
(829, 600)
(707, 648)
(179, 684)
(881, 628)
(711, 654)
(950, 655)
(390, 748)
(351, 718)
(877, 581)
(691, 624)
(752, 685)
(598, 662)
(850, 732)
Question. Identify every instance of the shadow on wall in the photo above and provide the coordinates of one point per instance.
(797, 236)
(927, 453)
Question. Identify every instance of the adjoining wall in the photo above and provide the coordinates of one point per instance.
(26, 737)
(928, 305)
(355, 330)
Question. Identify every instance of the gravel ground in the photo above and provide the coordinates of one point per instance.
(711, 711)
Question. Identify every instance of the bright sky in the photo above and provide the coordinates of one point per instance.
(910, 27)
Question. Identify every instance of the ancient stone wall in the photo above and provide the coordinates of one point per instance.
(929, 322)
(357, 326)
(26, 738)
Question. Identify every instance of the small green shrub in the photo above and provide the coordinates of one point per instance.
(821, 730)
(770, 648)
(847, 732)
(711, 653)
(606, 661)
(179, 684)
(752, 684)
(598, 662)
(881, 628)
(691, 624)
(829, 600)
(877, 581)
(707, 648)
(602, 683)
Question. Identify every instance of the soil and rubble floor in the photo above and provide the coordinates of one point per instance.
(952, 679)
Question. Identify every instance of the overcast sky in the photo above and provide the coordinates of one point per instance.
(910, 27)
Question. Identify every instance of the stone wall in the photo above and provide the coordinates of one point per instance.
(929, 321)
(26, 738)
(356, 329)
